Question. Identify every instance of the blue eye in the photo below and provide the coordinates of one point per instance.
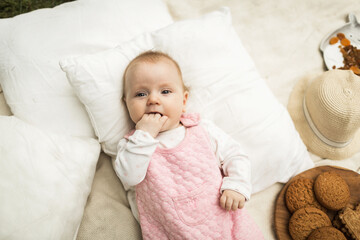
(166, 91)
(141, 94)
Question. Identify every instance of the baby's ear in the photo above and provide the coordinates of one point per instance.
(186, 95)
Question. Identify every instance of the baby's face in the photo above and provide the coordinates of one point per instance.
(155, 88)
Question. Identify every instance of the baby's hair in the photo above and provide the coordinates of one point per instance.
(152, 57)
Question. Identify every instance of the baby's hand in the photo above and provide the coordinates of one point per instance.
(151, 123)
(232, 200)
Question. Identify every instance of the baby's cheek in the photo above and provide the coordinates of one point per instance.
(135, 117)
(135, 113)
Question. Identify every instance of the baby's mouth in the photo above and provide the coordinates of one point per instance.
(155, 113)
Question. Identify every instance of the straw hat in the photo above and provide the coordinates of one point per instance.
(326, 113)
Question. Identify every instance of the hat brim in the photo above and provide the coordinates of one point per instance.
(312, 142)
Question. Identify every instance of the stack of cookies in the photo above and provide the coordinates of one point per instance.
(312, 202)
(348, 221)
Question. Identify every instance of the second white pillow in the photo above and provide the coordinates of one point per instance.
(224, 87)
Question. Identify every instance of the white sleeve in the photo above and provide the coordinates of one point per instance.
(233, 161)
(133, 157)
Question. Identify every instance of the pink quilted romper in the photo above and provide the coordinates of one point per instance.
(180, 195)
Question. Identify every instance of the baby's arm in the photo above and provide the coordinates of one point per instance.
(236, 186)
(133, 157)
(134, 153)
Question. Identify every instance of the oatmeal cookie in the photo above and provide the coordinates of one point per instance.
(326, 233)
(332, 191)
(305, 220)
(300, 194)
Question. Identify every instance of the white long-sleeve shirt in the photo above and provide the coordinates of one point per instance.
(134, 155)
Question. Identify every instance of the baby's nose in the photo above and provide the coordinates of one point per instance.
(153, 99)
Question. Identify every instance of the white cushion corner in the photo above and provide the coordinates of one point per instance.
(39, 172)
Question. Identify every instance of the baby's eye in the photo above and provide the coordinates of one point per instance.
(140, 94)
(166, 91)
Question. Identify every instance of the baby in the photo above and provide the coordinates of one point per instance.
(187, 174)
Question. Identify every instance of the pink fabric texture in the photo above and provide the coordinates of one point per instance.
(179, 197)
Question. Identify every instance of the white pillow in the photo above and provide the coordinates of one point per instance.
(224, 87)
(32, 44)
(45, 180)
